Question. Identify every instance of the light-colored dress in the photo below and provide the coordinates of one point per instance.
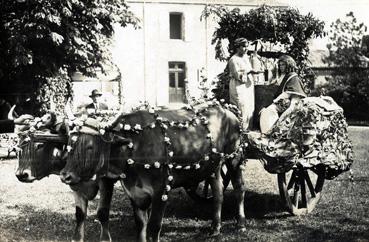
(241, 88)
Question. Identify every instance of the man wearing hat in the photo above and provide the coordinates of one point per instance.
(96, 104)
(241, 86)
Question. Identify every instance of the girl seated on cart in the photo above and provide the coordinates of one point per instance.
(289, 92)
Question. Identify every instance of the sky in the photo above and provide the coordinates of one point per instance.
(330, 10)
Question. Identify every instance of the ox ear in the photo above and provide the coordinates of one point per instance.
(121, 140)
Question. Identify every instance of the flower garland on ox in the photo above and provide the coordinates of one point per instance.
(167, 128)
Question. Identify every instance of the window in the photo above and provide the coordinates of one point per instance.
(175, 26)
(177, 79)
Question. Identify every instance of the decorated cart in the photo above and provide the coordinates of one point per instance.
(303, 150)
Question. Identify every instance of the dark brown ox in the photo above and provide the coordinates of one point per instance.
(169, 149)
(40, 155)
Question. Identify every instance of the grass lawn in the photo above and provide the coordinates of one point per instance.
(44, 211)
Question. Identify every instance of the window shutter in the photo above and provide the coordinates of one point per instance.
(164, 26)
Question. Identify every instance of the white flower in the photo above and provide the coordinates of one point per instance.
(180, 125)
(130, 161)
(170, 166)
(156, 164)
(74, 138)
(120, 126)
(152, 125)
(167, 188)
(27, 139)
(187, 167)
(102, 131)
(130, 145)
(32, 129)
(170, 178)
(197, 166)
(171, 123)
(206, 157)
(222, 100)
(138, 127)
(69, 148)
(166, 139)
(147, 166)
(164, 126)
(164, 198)
(178, 167)
(171, 153)
(159, 118)
(214, 150)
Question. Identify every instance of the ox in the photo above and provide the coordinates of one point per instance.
(42, 154)
(168, 149)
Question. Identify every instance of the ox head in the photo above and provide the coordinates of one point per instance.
(88, 152)
(40, 153)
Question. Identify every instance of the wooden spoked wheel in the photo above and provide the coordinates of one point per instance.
(300, 189)
(202, 192)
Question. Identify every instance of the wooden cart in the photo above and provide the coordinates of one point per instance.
(299, 187)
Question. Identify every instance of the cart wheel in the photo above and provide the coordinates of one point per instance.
(302, 192)
(202, 191)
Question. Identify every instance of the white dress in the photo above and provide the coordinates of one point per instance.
(241, 88)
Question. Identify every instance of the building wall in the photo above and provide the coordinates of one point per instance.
(143, 54)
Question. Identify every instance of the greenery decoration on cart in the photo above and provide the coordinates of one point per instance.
(312, 134)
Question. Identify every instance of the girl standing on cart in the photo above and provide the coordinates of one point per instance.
(290, 91)
(241, 86)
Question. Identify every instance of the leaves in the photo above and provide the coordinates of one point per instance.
(285, 26)
(39, 37)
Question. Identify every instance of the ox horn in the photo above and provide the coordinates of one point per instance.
(68, 110)
(12, 113)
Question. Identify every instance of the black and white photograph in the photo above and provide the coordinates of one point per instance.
(184, 120)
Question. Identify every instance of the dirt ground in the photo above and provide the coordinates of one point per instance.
(44, 210)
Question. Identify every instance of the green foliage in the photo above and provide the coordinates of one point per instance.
(39, 38)
(350, 83)
(283, 30)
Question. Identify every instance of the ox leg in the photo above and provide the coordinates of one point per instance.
(238, 183)
(156, 218)
(81, 213)
(141, 219)
(217, 188)
(106, 187)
